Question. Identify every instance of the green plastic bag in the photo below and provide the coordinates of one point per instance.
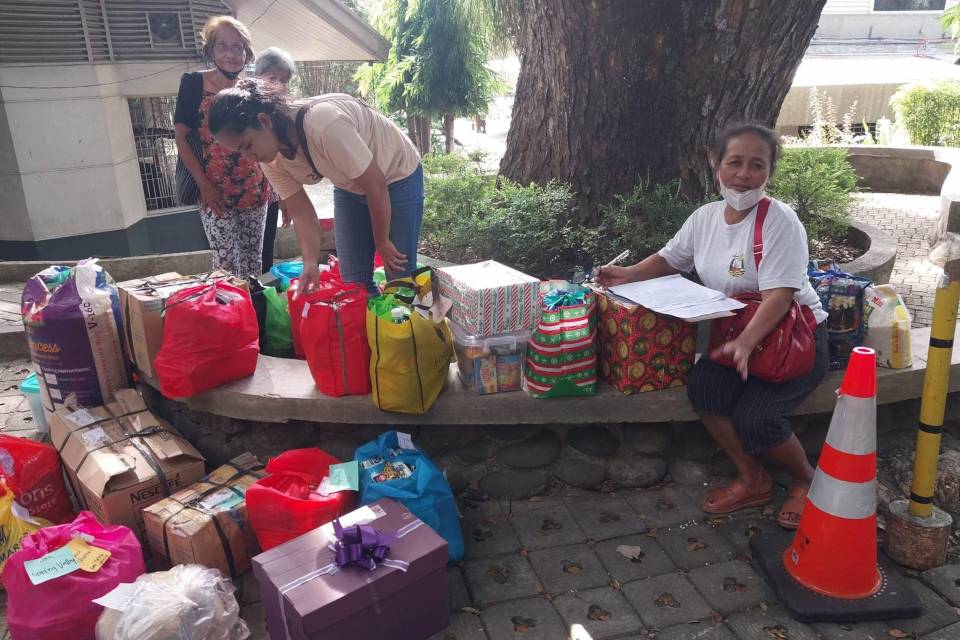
(279, 339)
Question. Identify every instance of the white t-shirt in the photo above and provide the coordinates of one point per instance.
(723, 253)
(345, 136)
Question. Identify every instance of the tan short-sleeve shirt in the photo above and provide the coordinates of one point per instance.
(344, 136)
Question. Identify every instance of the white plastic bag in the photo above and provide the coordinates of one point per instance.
(188, 602)
(887, 326)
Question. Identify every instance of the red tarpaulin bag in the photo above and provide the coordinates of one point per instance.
(329, 278)
(285, 504)
(210, 337)
(61, 607)
(334, 334)
(32, 471)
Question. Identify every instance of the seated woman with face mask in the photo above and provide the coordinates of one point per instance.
(744, 414)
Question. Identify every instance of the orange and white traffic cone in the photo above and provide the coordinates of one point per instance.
(828, 571)
(834, 551)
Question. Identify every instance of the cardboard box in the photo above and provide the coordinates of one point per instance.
(490, 298)
(206, 523)
(302, 601)
(641, 350)
(113, 471)
(142, 302)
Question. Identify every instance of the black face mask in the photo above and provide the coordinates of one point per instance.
(230, 75)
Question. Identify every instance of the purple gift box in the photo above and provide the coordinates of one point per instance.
(307, 596)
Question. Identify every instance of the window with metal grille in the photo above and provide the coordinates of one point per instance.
(152, 120)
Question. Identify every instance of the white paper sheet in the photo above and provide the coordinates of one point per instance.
(678, 297)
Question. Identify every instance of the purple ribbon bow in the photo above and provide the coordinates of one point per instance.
(361, 545)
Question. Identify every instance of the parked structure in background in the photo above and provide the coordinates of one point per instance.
(86, 102)
(863, 51)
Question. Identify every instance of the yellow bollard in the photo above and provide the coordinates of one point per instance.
(934, 399)
(917, 530)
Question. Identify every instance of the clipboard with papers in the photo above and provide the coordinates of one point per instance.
(678, 297)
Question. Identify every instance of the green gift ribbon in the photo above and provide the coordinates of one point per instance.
(556, 298)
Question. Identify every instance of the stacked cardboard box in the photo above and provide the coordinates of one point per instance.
(206, 523)
(120, 458)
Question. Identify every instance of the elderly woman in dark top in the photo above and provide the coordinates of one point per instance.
(233, 189)
(276, 65)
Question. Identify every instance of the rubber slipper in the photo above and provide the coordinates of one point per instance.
(792, 509)
(734, 497)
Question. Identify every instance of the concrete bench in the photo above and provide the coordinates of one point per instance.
(282, 390)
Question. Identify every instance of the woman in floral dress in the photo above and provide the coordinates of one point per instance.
(233, 190)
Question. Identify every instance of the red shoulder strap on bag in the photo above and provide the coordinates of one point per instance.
(762, 209)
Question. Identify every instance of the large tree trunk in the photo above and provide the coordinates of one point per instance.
(617, 91)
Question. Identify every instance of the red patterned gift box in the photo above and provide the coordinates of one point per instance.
(641, 350)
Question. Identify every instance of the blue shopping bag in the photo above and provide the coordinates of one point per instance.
(393, 467)
(841, 295)
(287, 271)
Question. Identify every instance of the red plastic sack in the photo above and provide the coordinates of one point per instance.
(295, 304)
(285, 504)
(210, 337)
(61, 607)
(32, 471)
(329, 279)
(334, 334)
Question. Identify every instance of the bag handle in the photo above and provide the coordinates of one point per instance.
(762, 209)
(393, 286)
(302, 113)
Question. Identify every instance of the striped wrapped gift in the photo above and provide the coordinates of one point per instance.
(490, 298)
(562, 355)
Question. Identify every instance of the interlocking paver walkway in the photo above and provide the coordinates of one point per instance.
(10, 306)
(637, 564)
(908, 219)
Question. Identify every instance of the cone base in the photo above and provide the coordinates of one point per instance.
(894, 600)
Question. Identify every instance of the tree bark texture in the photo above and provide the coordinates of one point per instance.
(448, 121)
(418, 129)
(615, 91)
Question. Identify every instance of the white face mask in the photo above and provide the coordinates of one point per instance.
(743, 200)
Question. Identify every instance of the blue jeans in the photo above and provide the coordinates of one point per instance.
(354, 231)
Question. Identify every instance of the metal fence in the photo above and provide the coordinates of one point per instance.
(152, 120)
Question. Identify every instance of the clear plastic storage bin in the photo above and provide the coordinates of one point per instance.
(492, 364)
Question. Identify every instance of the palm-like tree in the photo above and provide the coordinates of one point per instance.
(436, 66)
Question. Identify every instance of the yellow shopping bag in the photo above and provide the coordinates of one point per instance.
(410, 349)
(15, 523)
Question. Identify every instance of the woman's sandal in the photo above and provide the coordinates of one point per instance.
(733, 497)
(792, 509)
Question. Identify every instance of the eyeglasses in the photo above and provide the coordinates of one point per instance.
(236, 49)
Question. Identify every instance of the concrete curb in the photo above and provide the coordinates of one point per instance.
(143, 266)
(877, 262)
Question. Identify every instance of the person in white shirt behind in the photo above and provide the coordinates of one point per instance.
(746, 416)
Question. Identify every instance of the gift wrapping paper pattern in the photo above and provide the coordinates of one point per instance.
(562, 355)
(488, 301)
(641, 350)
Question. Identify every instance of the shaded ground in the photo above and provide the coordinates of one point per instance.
(638, 563)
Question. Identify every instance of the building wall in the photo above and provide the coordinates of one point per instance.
(856, 19)
(72, 152)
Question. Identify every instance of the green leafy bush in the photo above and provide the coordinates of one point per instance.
(470, 216)
(930, 112)
(642, 220)
(817, 182)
